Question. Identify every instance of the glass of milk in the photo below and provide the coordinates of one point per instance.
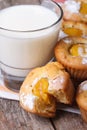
(28, 34)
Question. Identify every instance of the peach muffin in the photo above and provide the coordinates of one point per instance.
(75, 10)
(44, 87)
(71, 52)
(83, 9)
(71, 10)
(72, 28)
(81, 99)
(74, 18)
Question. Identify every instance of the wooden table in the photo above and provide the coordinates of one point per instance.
(13, 117)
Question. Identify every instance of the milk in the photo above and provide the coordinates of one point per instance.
(26, 17)
(22, 48)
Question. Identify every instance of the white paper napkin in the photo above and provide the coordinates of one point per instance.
(7, 93)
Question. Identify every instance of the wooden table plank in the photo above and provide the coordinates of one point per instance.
(69, 121)
(4, 3)
(13, 117)
(25, 1)
(7, 3)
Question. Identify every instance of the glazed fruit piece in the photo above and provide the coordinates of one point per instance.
(78, 50)
(72, 31)
(83, 8)
(41, 90)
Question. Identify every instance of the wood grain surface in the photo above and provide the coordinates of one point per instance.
(13, 117)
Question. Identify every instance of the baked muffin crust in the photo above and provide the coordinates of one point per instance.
(63, 55)
(44, 87)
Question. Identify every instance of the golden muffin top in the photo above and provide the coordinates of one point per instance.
(72, 52)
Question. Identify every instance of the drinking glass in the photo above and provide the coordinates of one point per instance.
(23, 50)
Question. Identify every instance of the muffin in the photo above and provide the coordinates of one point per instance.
(81, 99)
(83, 10)
(71, 10)
(71, 52)
(72, 28)
(75, 18)
(44, 87)
(75, 10)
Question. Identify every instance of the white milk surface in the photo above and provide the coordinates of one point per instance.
(26, 50)
(26, 17)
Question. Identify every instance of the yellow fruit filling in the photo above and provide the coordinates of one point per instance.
(41, 90)
(78, 50)
(72, 31)
(83, 9)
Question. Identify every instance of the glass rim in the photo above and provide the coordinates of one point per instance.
(40, 29)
